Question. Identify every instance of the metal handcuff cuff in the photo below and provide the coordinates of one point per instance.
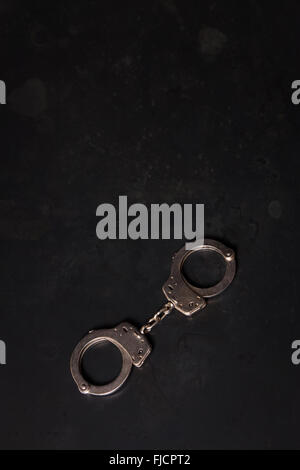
(131, 341)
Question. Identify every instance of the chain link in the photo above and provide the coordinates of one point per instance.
(157, 318)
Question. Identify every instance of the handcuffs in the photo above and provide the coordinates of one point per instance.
(131, 341)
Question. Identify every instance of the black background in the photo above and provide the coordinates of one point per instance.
(162, 101)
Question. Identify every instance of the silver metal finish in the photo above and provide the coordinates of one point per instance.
(187, 298)
(133, 346)
(133, 343)
(157, 318)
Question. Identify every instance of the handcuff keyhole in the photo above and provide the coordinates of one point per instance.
(101, 363)
(204, 268)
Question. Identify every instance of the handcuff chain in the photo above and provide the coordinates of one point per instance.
(157, 318)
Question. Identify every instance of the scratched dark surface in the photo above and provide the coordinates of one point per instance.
(163, 101)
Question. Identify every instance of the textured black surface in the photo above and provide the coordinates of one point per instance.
(163, 101)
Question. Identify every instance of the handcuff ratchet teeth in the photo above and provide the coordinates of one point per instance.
(131, 341)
